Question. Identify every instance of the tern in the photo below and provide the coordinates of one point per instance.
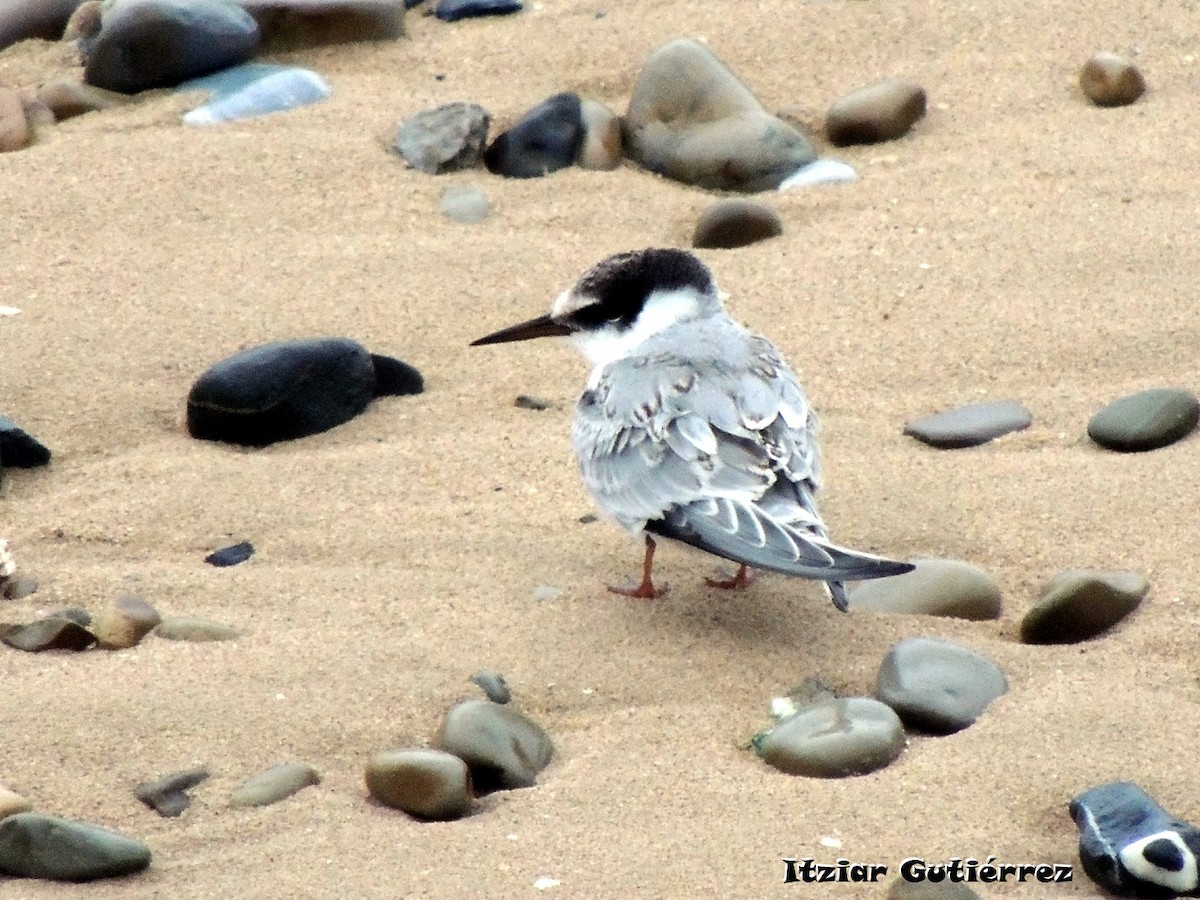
(693, 428)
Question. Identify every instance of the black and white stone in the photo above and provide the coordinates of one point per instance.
(969, 426)
(1131, 846)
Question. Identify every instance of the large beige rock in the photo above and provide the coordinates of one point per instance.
(691, 119)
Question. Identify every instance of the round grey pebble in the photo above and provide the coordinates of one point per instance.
(447, 138)
(969, 426)
(834, 739)
(937, 685)
(1146, 420)
(878, 112)
(429, 784)
(1108, 79)
(34, 845)
(464, 203)
(275, 784)
(935, 587)
(493, 686)
(735, 222)
(1081, 604)
(503, 748)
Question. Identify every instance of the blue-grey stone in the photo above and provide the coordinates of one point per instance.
(19, 449)
(503, 748)
(144, 44)
(168, 795)
(1131, 846)
(937, 685)
(34, 845)
(254, 89)
(546, 139)
(1146, 420)
(969, 426)
(453, 10)
(231, 555)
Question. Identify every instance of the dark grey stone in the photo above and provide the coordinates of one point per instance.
(969, 426)
(936, 587)
(18, 449)
(144, 44)
(493, 686)
(1131, 846)
(834, 738)
(1146, 420)
(231, 555)
(447, 138)
(1081, 604)
(938, 686)
(453, 10)
(546, 139)
(394, 378)
(167, 795)
(33, 845)
(49, 633)
(503, 748)
(281, 391)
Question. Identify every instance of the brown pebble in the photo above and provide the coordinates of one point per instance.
(878, 112)
(732, 223)
(1111, 80)
(68, 99)
(14, 127)
(601, 147)
(84, 22)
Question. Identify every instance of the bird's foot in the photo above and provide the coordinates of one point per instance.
(743, 579)
(644, 591)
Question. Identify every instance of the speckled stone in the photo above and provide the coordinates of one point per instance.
(503, 748)
(33, 845)
(1146, 420)
(445, 139)
(1108, 79)
(428, 784)
(275, 784)
(969, 426)
(834, 738)
(735, 222)
(1131, 846)
(878, 112)
(938, 686)
(936, 587)
(1081, 604)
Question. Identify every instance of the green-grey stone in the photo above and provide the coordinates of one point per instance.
(34, 845)
(1080, 604)
(50, 633)
(503, 748)
(936, 587)
(971, 425)
(168, 795)
(1146, 420)
(190, 628)
(835, 738)
(275, 784)
(937, 685)
(429, 784)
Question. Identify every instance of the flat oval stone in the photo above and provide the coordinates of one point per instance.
(464, 203)
(1146, 420)
(937, 685)
(429, 784)
(503, 748)
(124, 623)
(447, 138)
(254, 89)
(453, 10)
(835, 738)
(190, 628)
(49, 633)
(18, 449)
(275, 784)
(692, 120)
(1131, 846)
(33, 845)
(735, 222)
(878, 112)
(1081, 604)
(231, 555)
(1111, 80)
(969, 426)
(144, 44)
(601, 147)
(935, 587)
(168, 795)
(546, 139)
(281, 391)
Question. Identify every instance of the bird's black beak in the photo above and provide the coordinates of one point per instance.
(542, 326)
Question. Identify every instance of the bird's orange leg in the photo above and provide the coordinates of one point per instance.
(646, 590)
(743, 578)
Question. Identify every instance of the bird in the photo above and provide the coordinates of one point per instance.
(693, 428)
